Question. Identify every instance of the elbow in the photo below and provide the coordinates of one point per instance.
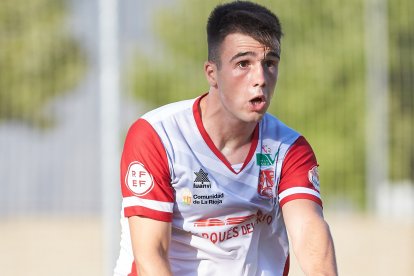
(153, 264)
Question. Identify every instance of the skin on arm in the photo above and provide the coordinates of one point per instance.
(150, 242)
(310, 237)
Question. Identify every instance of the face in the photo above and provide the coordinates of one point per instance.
(246, 78)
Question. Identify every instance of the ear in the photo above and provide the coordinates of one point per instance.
(210, 70)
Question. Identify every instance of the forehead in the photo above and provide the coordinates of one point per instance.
(236, 42)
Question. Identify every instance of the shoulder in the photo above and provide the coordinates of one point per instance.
(299, 175)
(168, 111)
(272, 122)
(149, 123)
(275, 129)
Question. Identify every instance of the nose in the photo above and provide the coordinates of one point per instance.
(259, 78)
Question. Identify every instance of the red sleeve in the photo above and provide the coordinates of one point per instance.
(299, 178)
(145, 175)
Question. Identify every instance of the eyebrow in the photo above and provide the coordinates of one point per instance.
(243, 54)
(250, 53)
(273, 54)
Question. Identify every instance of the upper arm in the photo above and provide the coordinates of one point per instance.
(150, 242)
(300, 213)
(148, 198)
(149, 236)
(299, 176)
(299, 188)
(145, 176)
(310, 236)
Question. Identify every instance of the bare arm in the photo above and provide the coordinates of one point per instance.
(310, 236)
(150, 241)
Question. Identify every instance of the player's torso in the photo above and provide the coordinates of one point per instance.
(226, 213)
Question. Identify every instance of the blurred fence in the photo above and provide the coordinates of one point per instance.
(49, 100)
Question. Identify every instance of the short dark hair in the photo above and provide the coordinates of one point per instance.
(245, 18)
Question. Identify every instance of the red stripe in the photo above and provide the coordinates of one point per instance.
(238, 220)
(218, 222)
(146, 212)
(200, 224)
(301, 196)
(287, 265)
(244, 217)
(208, 222)
(133, 270)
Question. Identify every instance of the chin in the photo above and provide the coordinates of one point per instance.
(255, 118)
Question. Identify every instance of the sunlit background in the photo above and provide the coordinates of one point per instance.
(74, 74)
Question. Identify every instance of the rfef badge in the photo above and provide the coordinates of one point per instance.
(138, 179)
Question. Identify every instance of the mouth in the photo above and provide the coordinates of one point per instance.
(258, 103)
(258, 100)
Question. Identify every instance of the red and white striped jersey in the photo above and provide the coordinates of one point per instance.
(225, 219)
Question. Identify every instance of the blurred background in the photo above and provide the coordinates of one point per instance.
(75, 74)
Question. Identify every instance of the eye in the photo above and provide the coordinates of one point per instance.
(243, 64)
(270, 63)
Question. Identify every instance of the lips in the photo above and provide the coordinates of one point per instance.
(258, 103)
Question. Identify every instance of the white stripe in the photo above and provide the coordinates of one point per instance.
(148, 203)
(298, 190)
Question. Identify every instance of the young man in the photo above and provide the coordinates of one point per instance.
(210, 185)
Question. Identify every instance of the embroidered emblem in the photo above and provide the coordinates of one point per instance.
(266, 183)
(313, 176)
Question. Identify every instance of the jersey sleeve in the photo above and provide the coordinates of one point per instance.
(145, 175)
(299, 177)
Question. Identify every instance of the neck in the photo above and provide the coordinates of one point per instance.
(231, 137)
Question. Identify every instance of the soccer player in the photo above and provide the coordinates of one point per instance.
(212, 185)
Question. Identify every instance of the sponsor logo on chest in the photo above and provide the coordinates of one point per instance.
(265, 158)
(201, 193)
(201, 180)
(219, 230)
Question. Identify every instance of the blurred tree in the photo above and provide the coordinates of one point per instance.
(401, 44)
(322, 90)
(39, 59)
(321, 86)
(174, 72)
